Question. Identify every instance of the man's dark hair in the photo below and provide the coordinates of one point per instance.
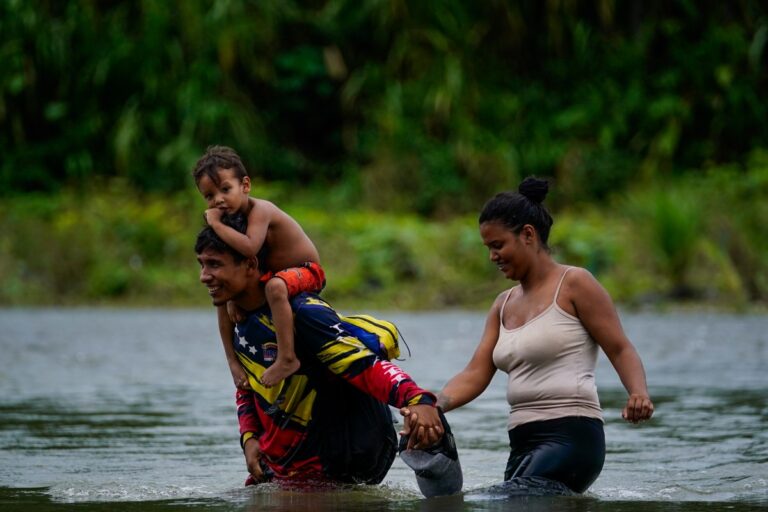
(215, 158)
(208, 239)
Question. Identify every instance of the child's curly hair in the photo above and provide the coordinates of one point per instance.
(215, 158)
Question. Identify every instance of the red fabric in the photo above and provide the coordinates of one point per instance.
(309, 277)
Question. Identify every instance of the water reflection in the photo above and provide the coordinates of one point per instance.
(37, 500)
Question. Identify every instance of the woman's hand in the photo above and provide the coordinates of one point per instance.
(422, 425)
(639, 408)
(597, 313)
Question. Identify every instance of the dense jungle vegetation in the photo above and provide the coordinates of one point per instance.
(383, 126)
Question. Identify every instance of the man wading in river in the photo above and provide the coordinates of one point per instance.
(330, 420)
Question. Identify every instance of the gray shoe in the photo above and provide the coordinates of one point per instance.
(438, 471)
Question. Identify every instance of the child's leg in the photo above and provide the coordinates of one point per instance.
(286, 362)
(226, 330)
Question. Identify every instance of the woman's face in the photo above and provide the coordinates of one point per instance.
(506, 249)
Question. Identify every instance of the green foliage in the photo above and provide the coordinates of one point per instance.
(114, 245)
(736, 222)
(108, 244)
(697, 238)
(673, 232)
(705, 233)
(650, 118)
(400, 261)
(586, 239)
(450, 104)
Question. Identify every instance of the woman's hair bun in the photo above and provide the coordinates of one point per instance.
(534, 189)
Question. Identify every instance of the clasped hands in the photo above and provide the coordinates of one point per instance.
(423, 426)
(420, 422)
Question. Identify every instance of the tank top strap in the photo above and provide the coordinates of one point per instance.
(560, 284)
(503, 305)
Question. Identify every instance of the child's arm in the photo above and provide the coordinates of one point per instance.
(226, 330)
(247, 244)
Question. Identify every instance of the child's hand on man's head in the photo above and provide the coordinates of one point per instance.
(212, 215)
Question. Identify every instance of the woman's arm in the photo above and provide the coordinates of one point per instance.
(467, 385)
(597, 313)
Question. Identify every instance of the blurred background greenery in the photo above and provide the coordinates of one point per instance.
(383, 126)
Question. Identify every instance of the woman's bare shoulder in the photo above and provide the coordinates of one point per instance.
(579, 284)
(502, 296)
(580, 277)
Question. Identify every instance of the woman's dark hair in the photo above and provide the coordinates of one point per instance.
(516, 209)
(215, 158)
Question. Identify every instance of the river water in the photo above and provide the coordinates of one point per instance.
(104, 409)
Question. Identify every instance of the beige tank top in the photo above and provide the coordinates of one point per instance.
(551, 365)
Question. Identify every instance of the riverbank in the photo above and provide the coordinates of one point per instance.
(698, 243)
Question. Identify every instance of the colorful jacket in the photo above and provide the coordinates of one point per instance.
(330, 419)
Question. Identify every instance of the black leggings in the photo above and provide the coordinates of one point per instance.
(568, 450)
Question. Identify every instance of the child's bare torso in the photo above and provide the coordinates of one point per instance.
(285, 244)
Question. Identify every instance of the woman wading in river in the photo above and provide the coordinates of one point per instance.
(545, 333)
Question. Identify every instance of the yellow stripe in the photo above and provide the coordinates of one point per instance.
(295, 404)
(267, 322)
(347, 344)
(255, 371)
(386, 336)
(246, 437)
(299, 408)
(370, 323)
(312, 301)
(415, 400)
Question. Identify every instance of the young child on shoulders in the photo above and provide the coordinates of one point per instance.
(288, 256)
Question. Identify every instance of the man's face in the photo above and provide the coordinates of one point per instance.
(224, 278)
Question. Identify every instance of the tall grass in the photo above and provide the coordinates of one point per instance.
(673, 233)
(702, 239)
